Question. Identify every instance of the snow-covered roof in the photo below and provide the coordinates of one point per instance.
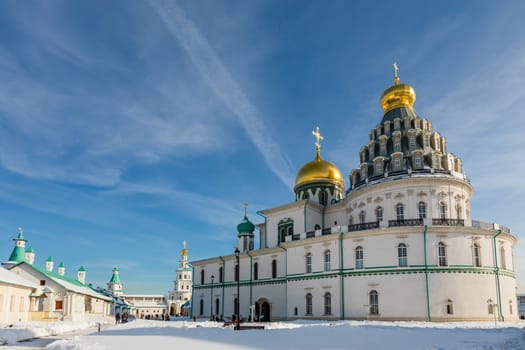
(10, 277)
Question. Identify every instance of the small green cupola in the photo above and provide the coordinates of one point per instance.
(245, 232)
(245, 227)
(18, 253)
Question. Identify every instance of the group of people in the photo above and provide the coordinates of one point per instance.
(119, 319)
(161, 317)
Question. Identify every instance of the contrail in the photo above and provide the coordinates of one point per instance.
(223, 85)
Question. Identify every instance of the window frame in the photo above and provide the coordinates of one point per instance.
(442, 254)
(373, 297)
(402, 255)
(359, 257)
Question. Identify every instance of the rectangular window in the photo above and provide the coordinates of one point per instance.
(359, 258)
(327, 261)
(397, 145)
(397, 163)
(12, 306)
(58, 304)
(21, 306)
(412, 142)
(309, 263)
(417, 163)
(42, 282)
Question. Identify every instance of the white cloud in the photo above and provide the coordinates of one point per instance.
(220, 80)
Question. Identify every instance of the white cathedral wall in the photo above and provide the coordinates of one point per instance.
(410, 192)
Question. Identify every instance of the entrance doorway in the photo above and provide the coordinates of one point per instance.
(262, 310)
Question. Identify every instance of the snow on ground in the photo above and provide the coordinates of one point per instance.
(11, 334)
(153, 335)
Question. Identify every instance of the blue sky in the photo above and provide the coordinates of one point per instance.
(129, 127)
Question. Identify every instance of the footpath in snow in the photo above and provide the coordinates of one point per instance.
(147, 334)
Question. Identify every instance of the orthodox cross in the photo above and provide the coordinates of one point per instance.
(318, 138)
(396, 77)
(245, 205)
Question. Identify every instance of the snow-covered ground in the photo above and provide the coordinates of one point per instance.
(153, 335)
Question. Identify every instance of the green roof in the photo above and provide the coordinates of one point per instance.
(20, 236)
(245, 226)
(115, 278)
(30, 250)
(56, 275)
(49, 258)
(61, 265)
(18, 255)
(81, 268)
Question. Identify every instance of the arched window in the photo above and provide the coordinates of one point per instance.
(374, 303)
(442, 211)
(503, 258)
(490, 307)
(327, 303)
(322, 197)
(362, 217)
(402, 255)
(510, 307)
(221, 278)
(256, 271)
(442, 254)
(309, 304)
(327, 261)
(217, 307)
(379, 213)
(308, 262)
(274, 268)
(450, 307)
(201, 307)
(422, 208)
(359, 257)
(290, 230)
(476, 258)
(282, 235)
(202, 276)
(400, 212)
(236, 273)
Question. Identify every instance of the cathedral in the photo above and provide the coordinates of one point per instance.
(398, 243)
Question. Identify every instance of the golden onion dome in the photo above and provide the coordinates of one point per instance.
(319, 170)
(398, 95)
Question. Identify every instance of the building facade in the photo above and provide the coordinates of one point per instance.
(182, 287)
(57, 296)
(398, 244)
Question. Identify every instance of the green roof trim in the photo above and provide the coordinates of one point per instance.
(18, 255)
(56, 275)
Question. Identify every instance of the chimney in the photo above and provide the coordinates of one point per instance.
(81, 275)
(61, 269)
(49, 264)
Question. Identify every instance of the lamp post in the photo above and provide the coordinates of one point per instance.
(211, 298)
(238, 276)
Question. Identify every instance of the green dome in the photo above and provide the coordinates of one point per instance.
(245, 226)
